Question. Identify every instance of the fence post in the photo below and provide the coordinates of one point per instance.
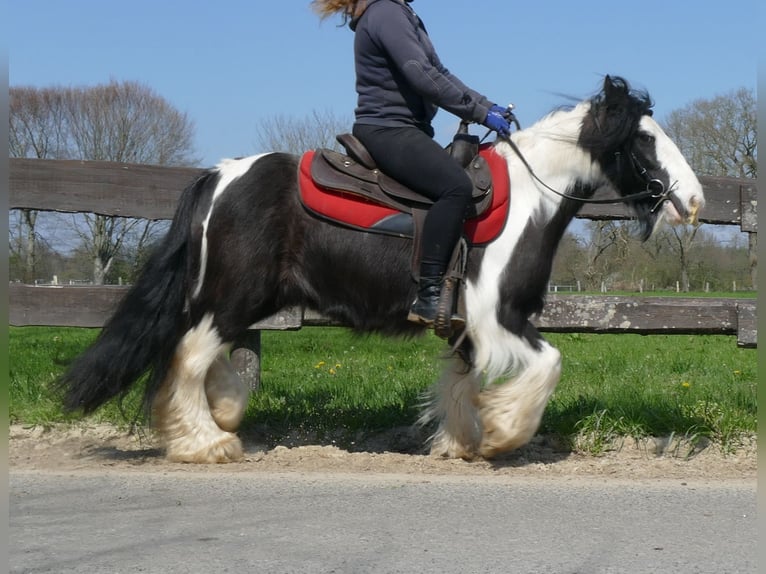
(246, 358)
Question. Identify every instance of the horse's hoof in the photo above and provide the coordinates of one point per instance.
(495, 443)
(488, 451)
(228, 449)
(453, 450)
(465, 455)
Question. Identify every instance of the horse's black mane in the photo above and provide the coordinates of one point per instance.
(614, 115)
(642, 103)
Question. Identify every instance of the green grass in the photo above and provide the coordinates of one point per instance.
(38, 355)
(323, 379)
(629, 385)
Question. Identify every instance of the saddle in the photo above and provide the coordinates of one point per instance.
(355, 172)
(353, 181)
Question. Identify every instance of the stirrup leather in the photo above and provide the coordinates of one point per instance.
(450, 313)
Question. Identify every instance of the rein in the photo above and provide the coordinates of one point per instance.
(659, 193)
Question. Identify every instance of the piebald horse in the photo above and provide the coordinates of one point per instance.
(242, 246)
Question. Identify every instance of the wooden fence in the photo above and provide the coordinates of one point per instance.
(151, 192)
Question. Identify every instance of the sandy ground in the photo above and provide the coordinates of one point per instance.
(101, 448)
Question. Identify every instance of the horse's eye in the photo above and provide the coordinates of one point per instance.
(645, 137)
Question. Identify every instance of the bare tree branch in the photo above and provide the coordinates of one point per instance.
(296, 135)
(119, 121)
(718, 136)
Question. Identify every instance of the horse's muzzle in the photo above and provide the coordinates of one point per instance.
(696, 204)
(688, 214)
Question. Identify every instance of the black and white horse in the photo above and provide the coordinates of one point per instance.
(241, 247)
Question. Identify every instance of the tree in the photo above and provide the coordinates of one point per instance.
(719, 137)
(296, 135)
(23, 244)
(119, 121)
(606, 249)
(679, 241)
(37, 129)
(569, 263)
(127, 122)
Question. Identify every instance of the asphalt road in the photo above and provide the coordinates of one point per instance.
(288, 523)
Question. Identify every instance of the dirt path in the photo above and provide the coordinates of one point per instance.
(101, 448)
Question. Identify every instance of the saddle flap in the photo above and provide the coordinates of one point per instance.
(481, 176)
(395, 189)
(348, 166)
(333, 170)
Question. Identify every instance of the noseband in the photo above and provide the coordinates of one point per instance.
(655, 189)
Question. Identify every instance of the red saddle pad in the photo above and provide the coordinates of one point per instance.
(363, 214)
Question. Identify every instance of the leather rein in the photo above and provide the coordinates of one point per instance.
(655, 189)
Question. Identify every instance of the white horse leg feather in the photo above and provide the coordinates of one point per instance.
(181, 413)
(453, 404)
(511, 412)
(226, 394)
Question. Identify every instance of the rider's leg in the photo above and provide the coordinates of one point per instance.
(412, 157)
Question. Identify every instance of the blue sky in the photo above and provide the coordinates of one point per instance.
(230, 64)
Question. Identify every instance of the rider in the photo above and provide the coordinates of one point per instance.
(401, 83)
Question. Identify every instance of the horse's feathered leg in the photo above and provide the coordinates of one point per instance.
(181, 412)
(452, 403)
(511, 412)
(235, 263)
(226, 394)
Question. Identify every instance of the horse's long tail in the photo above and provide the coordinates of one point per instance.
(142, 334)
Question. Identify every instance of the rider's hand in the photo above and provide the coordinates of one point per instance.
(496, 122)
(505, 112)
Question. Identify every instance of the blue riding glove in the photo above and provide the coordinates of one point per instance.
(496, 122)
(505, 112)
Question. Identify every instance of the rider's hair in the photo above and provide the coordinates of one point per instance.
(348, 8)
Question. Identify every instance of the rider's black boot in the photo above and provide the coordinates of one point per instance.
(425, 307)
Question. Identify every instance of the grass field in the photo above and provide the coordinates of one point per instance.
(324, 379)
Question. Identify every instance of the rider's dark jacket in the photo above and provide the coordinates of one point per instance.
(399, 78)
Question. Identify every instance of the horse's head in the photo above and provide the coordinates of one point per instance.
(637, 156)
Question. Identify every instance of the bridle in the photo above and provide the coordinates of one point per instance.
(655, 189)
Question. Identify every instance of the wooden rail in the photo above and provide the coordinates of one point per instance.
(151, 192)
(90, 306)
